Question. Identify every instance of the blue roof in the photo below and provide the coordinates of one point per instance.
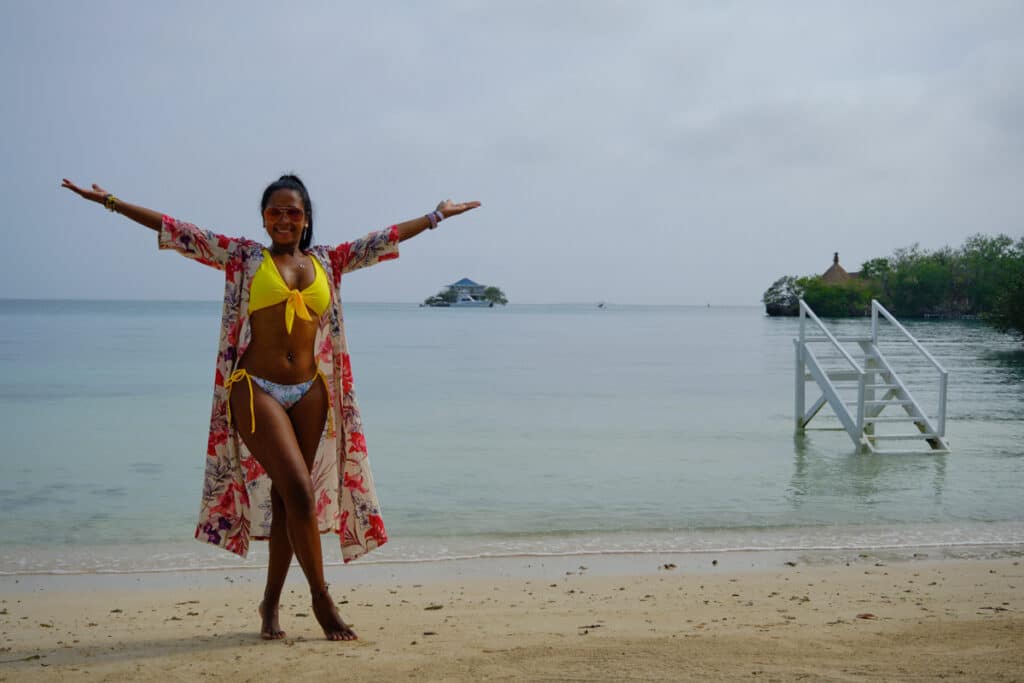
(464, 282)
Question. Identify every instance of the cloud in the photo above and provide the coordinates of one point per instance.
(657, 152)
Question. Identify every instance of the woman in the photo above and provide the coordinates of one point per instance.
(283, 375)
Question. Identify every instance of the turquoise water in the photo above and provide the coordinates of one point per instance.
(525, 429)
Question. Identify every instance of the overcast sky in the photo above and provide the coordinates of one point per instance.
(630, 152)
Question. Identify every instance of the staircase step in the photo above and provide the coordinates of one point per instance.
(840, 373)
(902, 437)
(853, 383)
(889, 402)
(930, 451)
(907, 418)
(841, 338)
(843, 375)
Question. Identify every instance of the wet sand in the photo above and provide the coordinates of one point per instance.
(871, 619)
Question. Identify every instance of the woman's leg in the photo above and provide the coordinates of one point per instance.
(280, 559)
(308, 418)
(275, 447)
(280, 548)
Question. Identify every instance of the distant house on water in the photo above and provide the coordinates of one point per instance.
(467, 293)
(836, 274)
(466, 287)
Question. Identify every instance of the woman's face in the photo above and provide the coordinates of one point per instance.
(285, 218)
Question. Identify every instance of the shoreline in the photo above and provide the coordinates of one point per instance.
(826, 543)
(539, 564)
(887, 618)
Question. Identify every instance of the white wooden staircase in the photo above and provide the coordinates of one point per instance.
(861, 388)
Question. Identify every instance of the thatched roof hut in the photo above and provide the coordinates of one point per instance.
(836, 274)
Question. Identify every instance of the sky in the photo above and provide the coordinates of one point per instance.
(628, 152)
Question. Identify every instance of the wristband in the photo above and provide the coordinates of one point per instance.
(110, 201)
(434, 217)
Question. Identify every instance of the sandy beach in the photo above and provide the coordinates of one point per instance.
(863, 619)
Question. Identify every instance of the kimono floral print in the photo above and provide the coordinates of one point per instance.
(236, 505)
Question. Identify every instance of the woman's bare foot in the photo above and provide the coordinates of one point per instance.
(271, 629)
(327, 614)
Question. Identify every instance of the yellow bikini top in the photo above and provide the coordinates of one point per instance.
(269, 288)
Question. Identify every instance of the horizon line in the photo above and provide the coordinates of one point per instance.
(593, 302)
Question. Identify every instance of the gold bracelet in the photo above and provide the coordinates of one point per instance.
(110, 201)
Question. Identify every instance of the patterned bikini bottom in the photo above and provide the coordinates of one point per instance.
(285, 394)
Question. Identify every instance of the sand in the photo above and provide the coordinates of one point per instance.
(920, 619)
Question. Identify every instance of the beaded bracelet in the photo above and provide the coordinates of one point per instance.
(110, 201)
(434, 217)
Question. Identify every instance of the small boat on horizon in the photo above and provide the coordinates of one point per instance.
(467, 301)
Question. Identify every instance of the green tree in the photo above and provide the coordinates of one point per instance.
(495, 296)
(876, 272)
(783, 297)
(1008, 310)
(920, 282)
(843, 300)
(984, 263)
(876, 269)
(445, 297)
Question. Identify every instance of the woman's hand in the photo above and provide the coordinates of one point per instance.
(449, 208)
(140, 214)
(96, 194)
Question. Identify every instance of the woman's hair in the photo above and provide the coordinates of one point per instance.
(292, 182)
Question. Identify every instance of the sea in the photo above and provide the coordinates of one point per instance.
(516, 431)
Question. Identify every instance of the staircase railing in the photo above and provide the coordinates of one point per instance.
(806, 358)
(878, 309)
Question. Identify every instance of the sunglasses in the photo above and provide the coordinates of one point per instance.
(292, 213)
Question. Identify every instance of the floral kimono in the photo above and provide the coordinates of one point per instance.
(236, 491)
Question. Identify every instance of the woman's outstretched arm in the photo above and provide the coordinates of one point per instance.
(195, 243)
(140, 214)
(382, 245)
(447, 208)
